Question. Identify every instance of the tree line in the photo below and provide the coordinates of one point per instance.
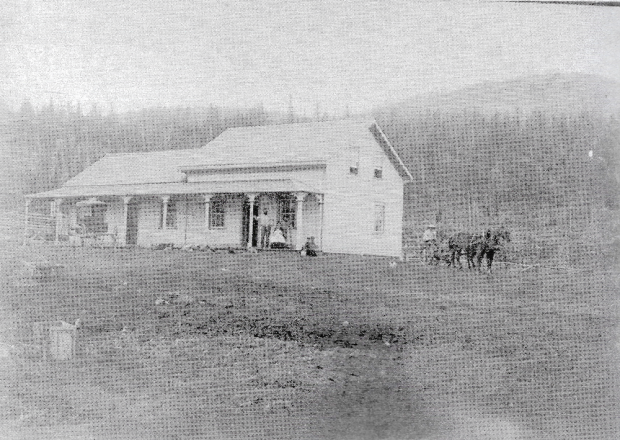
(509, 162)
(472, 164)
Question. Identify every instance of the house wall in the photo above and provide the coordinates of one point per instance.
(311, 221)
(115, 218)
(313, 177)
(350, 201)
(231, 233)
(190, 224)
(196, 216)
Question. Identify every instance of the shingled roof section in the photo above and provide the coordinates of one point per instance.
(137, 168)
(270, 144)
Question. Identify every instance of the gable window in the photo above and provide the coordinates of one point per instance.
(354, 161)
(379, 218)
(216, 214)
(378, 173)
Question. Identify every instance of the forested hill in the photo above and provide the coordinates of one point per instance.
(508, 161)
(554, 93)
(543, 149)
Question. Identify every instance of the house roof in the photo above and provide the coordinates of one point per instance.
(292, 143)
(220, 187)
(269, 145)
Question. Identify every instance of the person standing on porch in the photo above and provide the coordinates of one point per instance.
(264, 225)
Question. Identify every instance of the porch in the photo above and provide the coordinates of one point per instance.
(217, 219)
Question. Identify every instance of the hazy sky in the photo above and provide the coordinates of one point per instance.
(139, 53)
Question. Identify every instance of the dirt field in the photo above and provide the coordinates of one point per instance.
(180, 345)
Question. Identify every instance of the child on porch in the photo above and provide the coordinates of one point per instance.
(309, 248)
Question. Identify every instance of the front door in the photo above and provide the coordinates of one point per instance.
(245, 227)
(131, 237)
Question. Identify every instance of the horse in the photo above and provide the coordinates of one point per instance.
(464, 243)
(491, 242)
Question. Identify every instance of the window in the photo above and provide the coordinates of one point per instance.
(171, 217)
(378, 173)
(288, 208)
(354, 161)
(379, 218)
(216, 214)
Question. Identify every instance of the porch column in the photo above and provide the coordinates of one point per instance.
(300, 221)
(251, 198)
(207, 198)
(28, 201)
(164, 214)
(58, 214)
(320, 199)
(126, 201)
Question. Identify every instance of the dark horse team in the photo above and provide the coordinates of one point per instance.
(475, 247)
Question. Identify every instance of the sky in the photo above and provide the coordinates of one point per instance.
(334, 55)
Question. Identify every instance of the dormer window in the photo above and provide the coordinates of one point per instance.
(354, 169)
(378, 173)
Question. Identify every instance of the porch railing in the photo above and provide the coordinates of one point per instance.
(40, 227)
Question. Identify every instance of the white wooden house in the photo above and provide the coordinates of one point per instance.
(340, 182)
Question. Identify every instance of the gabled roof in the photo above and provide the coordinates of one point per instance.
(287, 144)
(293, 143)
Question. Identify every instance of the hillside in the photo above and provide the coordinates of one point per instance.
(539, 155)
(557, 93)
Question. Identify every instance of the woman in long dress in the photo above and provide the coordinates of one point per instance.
(277, 240)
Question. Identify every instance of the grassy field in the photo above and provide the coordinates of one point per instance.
(180, 345)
